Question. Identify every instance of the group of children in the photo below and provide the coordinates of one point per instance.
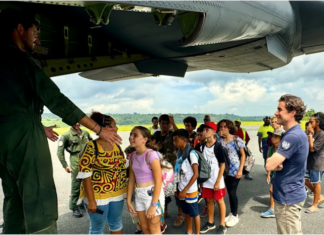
(143, 176)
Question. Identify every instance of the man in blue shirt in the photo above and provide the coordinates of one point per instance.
(290, 163)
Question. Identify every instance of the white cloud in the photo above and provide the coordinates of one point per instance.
(316, 95)
(239, 91)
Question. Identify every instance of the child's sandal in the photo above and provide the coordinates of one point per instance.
(178, 222)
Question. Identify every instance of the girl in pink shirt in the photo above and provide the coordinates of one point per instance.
(145, 175)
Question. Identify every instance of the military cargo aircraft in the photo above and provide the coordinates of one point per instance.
(118, 40)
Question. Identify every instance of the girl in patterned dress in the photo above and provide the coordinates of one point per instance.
(102, 168)
(227, 138)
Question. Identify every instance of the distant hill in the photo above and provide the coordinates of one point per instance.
(141, 119)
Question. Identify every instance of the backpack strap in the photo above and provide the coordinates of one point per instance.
(121, 153)
(202, 147)
(147, 160)
(216, 145)
(131, 157)
(96, 148)
(236, 146)
(188, 157)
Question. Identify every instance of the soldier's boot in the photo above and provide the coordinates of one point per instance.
(77, 213)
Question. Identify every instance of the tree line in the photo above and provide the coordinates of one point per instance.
(142, 119)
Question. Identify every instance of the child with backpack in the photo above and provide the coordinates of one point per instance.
(214, 187)
(145, 175)
(186, 175)
(102, 168)
(234, 146)
(199, 141)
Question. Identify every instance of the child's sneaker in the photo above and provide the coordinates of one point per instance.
(268, 214)
(232, 221)
(228, 217)
(163, 228)
(207, 227)
(221, 229)
(204, 213)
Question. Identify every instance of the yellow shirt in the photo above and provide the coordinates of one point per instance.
(107, 172)
(263, 133)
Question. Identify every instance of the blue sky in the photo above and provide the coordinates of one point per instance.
(204, 91)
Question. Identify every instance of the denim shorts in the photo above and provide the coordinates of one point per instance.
(314, 176)
(113, 212)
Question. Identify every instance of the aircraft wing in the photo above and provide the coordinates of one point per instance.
(118, 40)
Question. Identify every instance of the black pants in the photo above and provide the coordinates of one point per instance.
(231, 186)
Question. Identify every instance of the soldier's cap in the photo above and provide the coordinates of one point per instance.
(211, 125)
(238, 120)
(277, 132)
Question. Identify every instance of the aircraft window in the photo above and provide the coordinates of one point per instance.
(85, 65)
(68, 67)
(79, 66)
(53, 69)
(60, 68)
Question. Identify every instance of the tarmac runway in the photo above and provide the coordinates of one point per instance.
(253, 199)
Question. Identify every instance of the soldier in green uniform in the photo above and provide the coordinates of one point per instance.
(73, 141)
(26, 172)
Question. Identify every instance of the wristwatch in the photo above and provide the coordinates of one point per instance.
(154, 204)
